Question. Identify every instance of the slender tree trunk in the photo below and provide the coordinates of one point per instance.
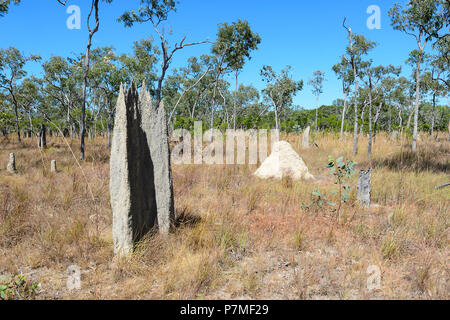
(227, 117)
(416, 108)
(276, 111)
(31, 123)
(16, 113)
(42, 137)
(343, 116)
(94, 134)
(161, 80)
(390, 118)
(85, 78)
(369, 150)
(375, 123)
(355, 131)
(433, 119)
(411, 113)
(213, 106)
(193, 108)
(363, 111)
(355, 77)
(343, 112)
(69, 125)
(216, 83)
(276, 119)
(317, 110)
(109, 128)
(235, 102)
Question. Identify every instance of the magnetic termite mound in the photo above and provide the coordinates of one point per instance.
(140, 171)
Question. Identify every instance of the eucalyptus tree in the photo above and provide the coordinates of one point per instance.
(280, 89)
(387, 87)
(226, 100)
(93, 13)
(363, 101)
(343, 71)
(421, 19)
(418, 89)
(316, 82)
(30, 98)
(412, 97)
(400, 98)
(358, 47)
(235, 42)
(106, 76)
(62, 84)
(184, 89)
(385, 78)
(157, 12)
(92, 31)
(443, 48)
(232, 48)
(12, 64)
(218, 68)
(4, 6)
(140, 66)
(6, 117)
(247, 97)
(439, 33)
(431, 82)
(373, 76)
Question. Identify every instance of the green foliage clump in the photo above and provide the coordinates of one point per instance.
(18, 288)
(342, 170)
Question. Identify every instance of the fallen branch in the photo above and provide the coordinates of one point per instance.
(443, 186)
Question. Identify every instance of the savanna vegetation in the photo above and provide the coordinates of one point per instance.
(236, 236)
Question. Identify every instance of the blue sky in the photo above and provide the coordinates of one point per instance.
(306, 35)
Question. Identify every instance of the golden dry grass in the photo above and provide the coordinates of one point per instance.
(236, 236)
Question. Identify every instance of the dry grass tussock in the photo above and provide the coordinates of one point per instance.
(236, 236)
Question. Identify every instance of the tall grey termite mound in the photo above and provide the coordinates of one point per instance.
(140, 173)
(305, 138)
(11, 167)
(363, 189)
(284, 161)
(53, 166)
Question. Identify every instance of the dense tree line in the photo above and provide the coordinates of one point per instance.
(76, 95)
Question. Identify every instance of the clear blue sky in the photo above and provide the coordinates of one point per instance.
(304, 34)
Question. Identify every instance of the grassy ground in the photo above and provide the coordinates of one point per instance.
(237, 237)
